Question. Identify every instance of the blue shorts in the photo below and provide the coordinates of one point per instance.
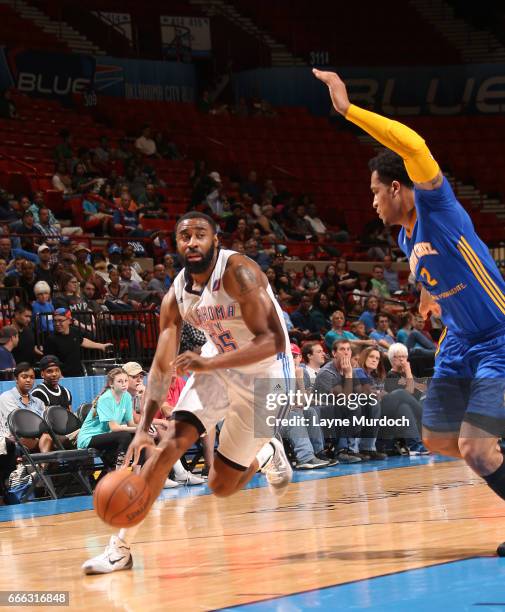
(468, 385)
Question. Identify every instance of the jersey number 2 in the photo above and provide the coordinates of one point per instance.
(427, 277)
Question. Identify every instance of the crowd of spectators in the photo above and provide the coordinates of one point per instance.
(56, 282)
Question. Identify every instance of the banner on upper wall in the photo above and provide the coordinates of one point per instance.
(435, 90)
(185, 36)
(61, 75)
(122, 22)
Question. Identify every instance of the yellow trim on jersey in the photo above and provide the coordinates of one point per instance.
(481, 274)
(440, 340)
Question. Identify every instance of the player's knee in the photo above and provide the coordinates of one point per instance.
(477, 452)
(219, 486)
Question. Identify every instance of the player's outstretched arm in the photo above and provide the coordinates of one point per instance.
(420, 165)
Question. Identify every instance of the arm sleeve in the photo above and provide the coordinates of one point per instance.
(420, 165)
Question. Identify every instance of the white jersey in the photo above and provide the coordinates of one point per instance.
(218, 315)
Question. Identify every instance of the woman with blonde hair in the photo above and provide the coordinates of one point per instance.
(109, 426)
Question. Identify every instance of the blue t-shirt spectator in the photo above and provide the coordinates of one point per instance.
(106, 409)
(7, 361)
(368, 318)
(332, 336)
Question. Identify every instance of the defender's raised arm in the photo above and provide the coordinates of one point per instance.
(420, 165)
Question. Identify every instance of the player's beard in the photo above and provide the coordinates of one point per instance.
(197, 267)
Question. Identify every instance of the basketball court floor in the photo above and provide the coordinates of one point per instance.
(403, 534)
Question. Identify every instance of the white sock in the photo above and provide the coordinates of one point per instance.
(179, 470)
(127, 534)
(264, 454)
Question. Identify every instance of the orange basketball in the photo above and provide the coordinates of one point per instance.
(121, 498)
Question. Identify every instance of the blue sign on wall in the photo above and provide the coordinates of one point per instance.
(61, 75)
(424, 90)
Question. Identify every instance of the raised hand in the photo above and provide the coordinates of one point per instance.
(338, 91)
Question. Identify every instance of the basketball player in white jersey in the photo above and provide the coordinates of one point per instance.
(226, 295)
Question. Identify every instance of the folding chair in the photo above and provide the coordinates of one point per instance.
(28, 424)
(62, 423)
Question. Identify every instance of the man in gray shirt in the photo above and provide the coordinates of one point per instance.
(336, 377)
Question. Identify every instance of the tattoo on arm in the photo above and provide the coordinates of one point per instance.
(246, 279)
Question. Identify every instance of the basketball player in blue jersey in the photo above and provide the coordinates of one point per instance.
(464, 412)
(227, 296)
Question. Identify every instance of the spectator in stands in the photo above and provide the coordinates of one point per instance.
(216, 198)
(298, 228)
(243, 231)
(307, 440)
(8, 109)
(43, 270)
(109, 426)
(157, 283)
(404, 394)
(347, 279)
(303, 321)
(49, 391)
(369, 314)
(251, 186)
(97, 216)
(9, 339)
(336, 377)
(329, 278)
(269, 225)
(310, 282)
(3, 271)
(337, 332)
(406, 324)
(26, 227)
(150, 203)
(82, 182)
(391, 276)
(314, 358)
(378, 285)
(83, 269)
(42, 307)
(383, 334)
(21, 397)
(51, 233)
(8, 252)
(67, 341)
(135, 290)
(260, 257)
(62, 180)
(64, 151)
(25, 349)
(27, 281)
(419, 342)
(124, 221)
(321, 312)
(145, 143)
(91, 294)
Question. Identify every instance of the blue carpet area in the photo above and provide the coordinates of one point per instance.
(78, 504)
(469, 584)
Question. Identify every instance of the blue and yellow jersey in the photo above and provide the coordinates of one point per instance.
(454, 265)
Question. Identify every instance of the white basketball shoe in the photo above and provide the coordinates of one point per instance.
(116, 557)
(277, 469)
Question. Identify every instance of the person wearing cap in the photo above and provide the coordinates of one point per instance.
(42, 307)
(50, 392)
(43, 270)
(9, 339)
(67, 341)
(83, 270)
(306, 439)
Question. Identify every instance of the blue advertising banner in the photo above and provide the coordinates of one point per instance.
(424, 90)
(60, 75)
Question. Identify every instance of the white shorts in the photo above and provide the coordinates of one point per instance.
(230, 395)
